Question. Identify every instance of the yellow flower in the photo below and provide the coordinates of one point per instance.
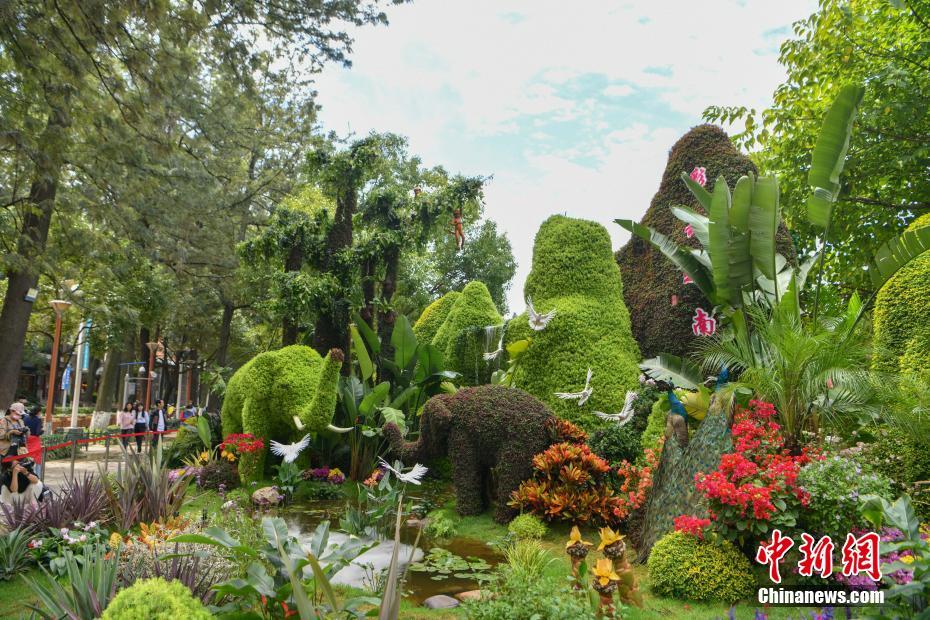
(604, 572)
(204, 456)
(575, 538)
(908, 559)
(608, 537)
(115, 540)
(229, 456)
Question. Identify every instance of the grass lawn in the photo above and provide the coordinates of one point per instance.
(15, 595)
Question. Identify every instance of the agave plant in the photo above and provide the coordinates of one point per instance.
(91, 585)
(14, 553)
(143, 490)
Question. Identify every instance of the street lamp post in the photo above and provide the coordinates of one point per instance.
(59, 306)
(153, 346)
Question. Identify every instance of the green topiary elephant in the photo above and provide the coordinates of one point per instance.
(265, 395)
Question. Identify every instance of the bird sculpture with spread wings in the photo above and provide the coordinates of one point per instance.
(582, 396)
(538, 321)
(625, 415)
(290, 452)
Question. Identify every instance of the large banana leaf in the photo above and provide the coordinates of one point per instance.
(673, 369)
(742, 200)
(898, 252)
(702, 195)
(718, 228)
(365, 365)
(698, 222)
(829, 154)
(678, 255)
(404, 341)
(763, 224)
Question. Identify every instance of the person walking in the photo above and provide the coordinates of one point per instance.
(158, 421)
(141, 425)
(126, 420)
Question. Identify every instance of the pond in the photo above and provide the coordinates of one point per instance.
(303, 518)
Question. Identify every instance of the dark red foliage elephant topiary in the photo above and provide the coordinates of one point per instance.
(484, 429)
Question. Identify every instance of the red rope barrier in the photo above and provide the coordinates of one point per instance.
(66, 444)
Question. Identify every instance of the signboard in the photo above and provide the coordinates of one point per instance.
(66, 378)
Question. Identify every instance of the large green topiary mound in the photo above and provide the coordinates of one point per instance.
(155, 599)
(574, 273)
(902, 314)
(460, 337)
(650, 279)
(434, 316)
(265, 394)
(683, 567)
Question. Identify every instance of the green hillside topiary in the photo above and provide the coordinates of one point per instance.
(574, 273)
(473, 310)
(683, 567)
(902, 314)
(650, 279)
(434, 316)
(155, 599)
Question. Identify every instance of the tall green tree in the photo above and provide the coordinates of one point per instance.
(886, 46)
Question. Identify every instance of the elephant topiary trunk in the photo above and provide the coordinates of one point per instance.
(266, 395)
(483, 429)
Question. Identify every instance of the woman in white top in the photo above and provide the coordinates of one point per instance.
(126, 419)
(142, 424)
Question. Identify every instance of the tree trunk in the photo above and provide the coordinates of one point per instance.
(290, 326)
(109, 381)
(14, 318)
(332, 325)
(368, 291)
(388, 288)
(222, 351)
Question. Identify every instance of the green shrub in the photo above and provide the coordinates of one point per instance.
(440, 525)
(616, 443)
(655, 426)
(314, 490)
(527, 527)
(904, 458)
(683, 567)
(434, 316)
(473, 310)
(219, 472)
(835, 485)
(155, 599)
(902, 311)
(649, 279)
(15, 557)
(186, 444)
(574, 273)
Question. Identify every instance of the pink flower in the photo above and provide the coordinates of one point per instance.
(686, 279)
(689, 231)
(699, 175)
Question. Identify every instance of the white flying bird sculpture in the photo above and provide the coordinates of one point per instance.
(493, 354)
(538, 321)
(291, 451)
(413, 476)
(582, 396)
(625, 415)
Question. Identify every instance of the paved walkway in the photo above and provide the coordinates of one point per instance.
(92, 459)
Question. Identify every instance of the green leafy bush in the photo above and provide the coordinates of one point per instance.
(155, 599)
(616, 443)
(440, 525)
(434, 316)
(14, 553)
(649, 279)
(902, 311)
(574, 273)
(835, 486)
(219, 472)
(186, 444)
(462, 349)
(683, 567)
(314, 490)
(527, 527)
(655, 425)
(904, 458)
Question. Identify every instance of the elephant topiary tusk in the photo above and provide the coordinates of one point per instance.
(338, 429)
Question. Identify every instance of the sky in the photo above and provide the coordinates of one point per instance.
(571, 107)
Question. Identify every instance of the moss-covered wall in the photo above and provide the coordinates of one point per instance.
(574, 272)
(902, 315)
(650, 279)
(434, 316)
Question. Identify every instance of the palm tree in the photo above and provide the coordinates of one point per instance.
(815, 373)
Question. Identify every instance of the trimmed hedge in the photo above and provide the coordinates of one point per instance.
(527, 527)
(902, 314)
(155, 599)
(683, 567)
(434, 316)
(650, 279)
(574, 272)
(484, 428)
(264, 395)
(472, 311)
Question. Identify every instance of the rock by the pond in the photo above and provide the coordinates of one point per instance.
(440, 601)
(266, 496)
(471, 595)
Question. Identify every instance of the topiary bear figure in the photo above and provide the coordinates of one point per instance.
(649, 278)
(265, 394)
(482, 429)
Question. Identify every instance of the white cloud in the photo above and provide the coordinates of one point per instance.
(523, 90)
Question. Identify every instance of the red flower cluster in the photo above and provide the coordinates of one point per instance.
(755, 486)
(570, 483)
(691, 525)
(635, 482)
(242, 443)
